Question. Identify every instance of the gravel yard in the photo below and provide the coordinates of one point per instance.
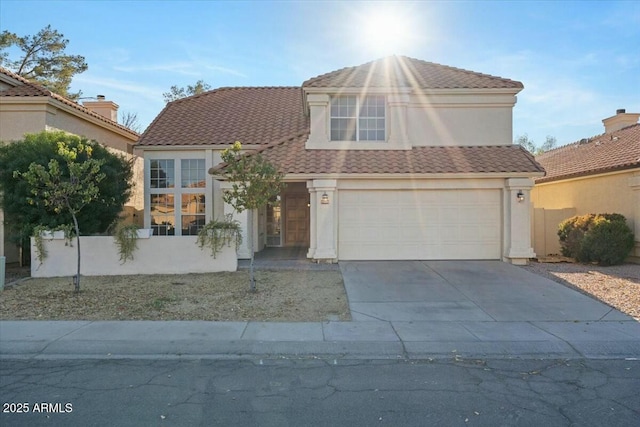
(617, 286)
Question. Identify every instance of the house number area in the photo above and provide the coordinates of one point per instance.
(38, 407)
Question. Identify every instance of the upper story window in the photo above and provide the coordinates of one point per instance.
(193, 173)
(358, 118)
(162, 173)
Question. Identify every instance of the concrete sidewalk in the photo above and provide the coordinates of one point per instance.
(402, 309)
(376, 340)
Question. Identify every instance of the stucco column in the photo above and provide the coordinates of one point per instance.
(517, 221)
(318, 104)
(397, 117)
(312, 220)
(244, 251)
(325, 220)
(634, 183)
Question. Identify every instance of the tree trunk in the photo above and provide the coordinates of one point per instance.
(76, 279)
(252, 278)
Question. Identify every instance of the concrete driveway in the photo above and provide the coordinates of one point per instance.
(463, 291)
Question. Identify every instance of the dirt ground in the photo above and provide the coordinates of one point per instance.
(282, 296)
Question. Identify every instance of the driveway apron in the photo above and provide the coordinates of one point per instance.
(463, 291)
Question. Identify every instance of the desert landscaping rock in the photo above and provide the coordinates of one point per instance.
(617, 286)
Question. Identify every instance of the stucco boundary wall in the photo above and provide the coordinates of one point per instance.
(155, 255)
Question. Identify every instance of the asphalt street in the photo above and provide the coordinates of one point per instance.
(319, 392)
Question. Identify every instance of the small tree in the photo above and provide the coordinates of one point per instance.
(176, 92)
(255, 182)
(530, 145)
(66, 193)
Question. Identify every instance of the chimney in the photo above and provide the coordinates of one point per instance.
(108, 109)
(622, 119)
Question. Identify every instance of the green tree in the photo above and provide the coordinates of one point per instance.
(66, 191)
(254, 183)
(176, 92)
(530, 145)
(43, 59)
(21, 217)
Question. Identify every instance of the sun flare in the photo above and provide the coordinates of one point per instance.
(386, 31)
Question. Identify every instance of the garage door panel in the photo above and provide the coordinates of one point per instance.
(419, 224)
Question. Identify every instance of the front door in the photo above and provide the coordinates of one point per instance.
(296, 218)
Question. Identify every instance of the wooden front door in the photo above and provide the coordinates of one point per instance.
(296, 218)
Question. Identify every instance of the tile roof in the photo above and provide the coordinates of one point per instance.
(251, 115)
(26, 88)
(402, 71)
(607, 152)
(291, 157)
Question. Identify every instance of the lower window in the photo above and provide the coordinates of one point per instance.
(192, 213)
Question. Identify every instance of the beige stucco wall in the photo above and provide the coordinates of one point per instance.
(606, 193)
(155, 255)
(460, 126)
(18, 119)
(429, 119)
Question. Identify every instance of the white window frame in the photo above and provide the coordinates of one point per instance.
(358, 117)
(177, 190)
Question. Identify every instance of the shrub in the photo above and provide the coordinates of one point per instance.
(219, 233)
(607, 243)
(602, 238)
(21, 216)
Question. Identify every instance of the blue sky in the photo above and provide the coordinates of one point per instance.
(578, 61)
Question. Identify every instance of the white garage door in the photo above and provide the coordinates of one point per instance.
(419, 224)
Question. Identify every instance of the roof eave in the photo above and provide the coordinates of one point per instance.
(588, 174)
(377, 176)
(44, 99)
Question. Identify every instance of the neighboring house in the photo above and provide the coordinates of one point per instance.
(27, 107)
(600, 174)
(394, 159)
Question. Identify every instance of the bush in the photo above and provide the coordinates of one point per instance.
(607, 243)
(21, 216)
(602, 238)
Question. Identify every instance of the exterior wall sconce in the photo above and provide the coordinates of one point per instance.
(520, 196)
(325, 199)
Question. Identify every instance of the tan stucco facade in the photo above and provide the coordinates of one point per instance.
(617, 192)
(441, 118)
(21, 115)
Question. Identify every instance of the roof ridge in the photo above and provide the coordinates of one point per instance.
(230, 88)
(463, 70)
(406, 70)
(589, 139)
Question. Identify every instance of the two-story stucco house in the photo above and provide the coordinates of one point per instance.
(395, 159)
(27, 107)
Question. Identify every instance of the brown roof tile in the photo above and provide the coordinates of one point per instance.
(608, 152)
(26, 88)
(402, 71)
(252, 115)
(291, 157)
